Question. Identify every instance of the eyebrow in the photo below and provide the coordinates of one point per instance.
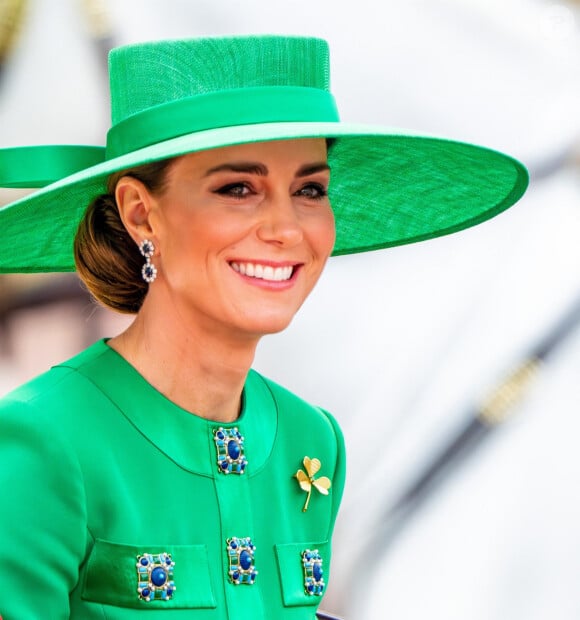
(309, 169)
(250, 167)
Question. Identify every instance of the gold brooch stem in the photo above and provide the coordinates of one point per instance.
(307, 500)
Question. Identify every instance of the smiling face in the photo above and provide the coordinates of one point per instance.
(242, 234)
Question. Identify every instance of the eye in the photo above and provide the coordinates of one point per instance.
(235, 190)
(313, 191)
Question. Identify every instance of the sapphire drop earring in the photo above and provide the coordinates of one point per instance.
(149, 271)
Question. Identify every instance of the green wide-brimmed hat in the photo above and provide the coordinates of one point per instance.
(388, 187)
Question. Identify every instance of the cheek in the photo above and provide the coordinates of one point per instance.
(324, 234)
(197, 229)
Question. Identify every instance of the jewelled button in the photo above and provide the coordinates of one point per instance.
(313, 572)
(155, 577)
(241, 560)
(229, 445)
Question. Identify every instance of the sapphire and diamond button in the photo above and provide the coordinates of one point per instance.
(313, 572)
(240, 552)
(229, 445)
(155, 577)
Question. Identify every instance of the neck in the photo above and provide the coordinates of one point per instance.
(198, 370)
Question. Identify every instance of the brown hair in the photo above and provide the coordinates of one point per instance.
(107, 259)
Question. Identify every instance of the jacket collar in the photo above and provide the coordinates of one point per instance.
(185, 438)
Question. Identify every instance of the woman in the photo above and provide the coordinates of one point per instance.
(156, 471)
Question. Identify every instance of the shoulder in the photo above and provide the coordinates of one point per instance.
(287, 399)
(49, 397)
(300, 413)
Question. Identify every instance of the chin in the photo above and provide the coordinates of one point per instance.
(271, 325)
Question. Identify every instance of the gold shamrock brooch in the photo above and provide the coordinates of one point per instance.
(306, 480)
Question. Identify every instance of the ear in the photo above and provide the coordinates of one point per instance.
(134, 202)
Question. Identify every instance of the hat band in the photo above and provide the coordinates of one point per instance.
(37, 166)
(242, 106)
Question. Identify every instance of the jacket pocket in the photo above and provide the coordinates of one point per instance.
(293, 575)
(111, 576)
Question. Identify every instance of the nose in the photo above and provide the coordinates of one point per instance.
(280, 224)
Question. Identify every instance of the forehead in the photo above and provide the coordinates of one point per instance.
(292, 153)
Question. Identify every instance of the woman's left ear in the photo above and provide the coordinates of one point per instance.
(134, 202)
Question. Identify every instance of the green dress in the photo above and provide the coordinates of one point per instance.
(115, 501)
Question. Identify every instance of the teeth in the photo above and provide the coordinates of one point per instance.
(264, 272)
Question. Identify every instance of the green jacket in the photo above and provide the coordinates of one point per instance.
(110, 495)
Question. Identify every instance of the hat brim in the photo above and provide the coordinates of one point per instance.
(388, 188)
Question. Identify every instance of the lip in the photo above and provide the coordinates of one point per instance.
(276, 272)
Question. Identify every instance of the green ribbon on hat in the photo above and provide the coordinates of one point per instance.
(37, 166)
(239, 106)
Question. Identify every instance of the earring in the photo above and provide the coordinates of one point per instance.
(149, 271)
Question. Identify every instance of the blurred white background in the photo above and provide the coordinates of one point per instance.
(401, 345)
